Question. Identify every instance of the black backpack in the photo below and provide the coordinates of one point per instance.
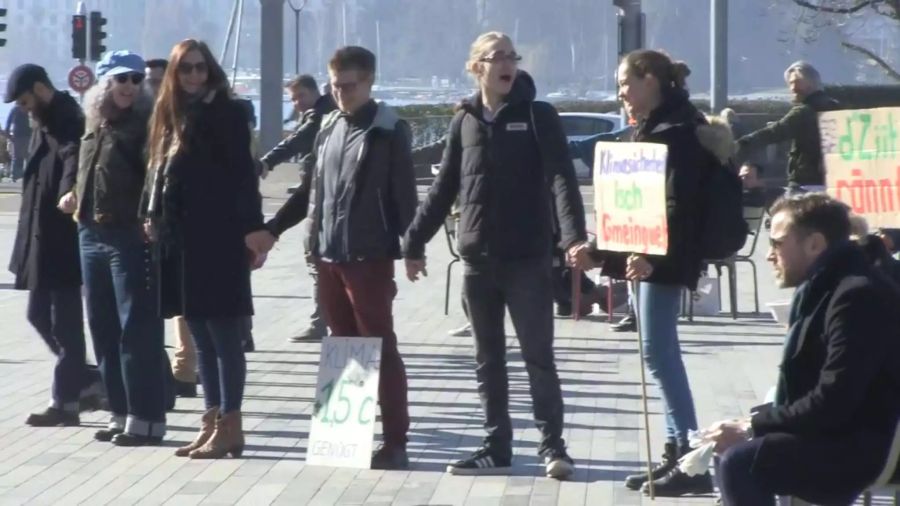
(724, 230)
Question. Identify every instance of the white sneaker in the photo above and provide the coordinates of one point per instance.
(464, 331)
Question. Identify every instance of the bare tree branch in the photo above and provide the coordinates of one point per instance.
(888, 69)
(862, 4)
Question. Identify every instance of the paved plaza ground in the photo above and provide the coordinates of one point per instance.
(731, 364)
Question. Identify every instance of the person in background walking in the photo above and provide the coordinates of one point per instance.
(806, 169)
(120, 288)
(203, 209)
(311, 107)
(507, 161)
(365, 197)
(45, 254)
(18, 130)
(156, 69)
(653, 89)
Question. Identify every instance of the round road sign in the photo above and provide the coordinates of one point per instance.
(81, 77)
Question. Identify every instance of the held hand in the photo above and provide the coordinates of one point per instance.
(149, 231)
(414, 268)
(260, 242)
(263, 169)
(257, 260)
(729, 433)
(638, 268)
(578, 256)
(67, 203)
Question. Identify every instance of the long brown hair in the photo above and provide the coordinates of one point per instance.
(670, 73)
(167, 123)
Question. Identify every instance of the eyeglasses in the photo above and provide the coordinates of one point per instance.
(501, 57)
(187, 67)
(134, 77)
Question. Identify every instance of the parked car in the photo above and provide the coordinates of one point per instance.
(581, 126)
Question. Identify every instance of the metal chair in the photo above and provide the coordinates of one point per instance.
(754, 216)
(450, 232)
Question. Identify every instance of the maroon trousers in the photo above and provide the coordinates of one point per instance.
(357, 300)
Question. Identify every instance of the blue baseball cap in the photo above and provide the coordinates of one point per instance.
(120, 62)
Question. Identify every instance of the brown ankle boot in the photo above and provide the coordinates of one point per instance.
(207, 426)
(228, 438)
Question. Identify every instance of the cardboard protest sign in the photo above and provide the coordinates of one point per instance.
(343, 421)
(630, 197)
(861, 149)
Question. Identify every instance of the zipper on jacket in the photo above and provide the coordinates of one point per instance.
(381, 210)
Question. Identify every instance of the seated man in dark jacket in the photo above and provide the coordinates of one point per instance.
(826, 437)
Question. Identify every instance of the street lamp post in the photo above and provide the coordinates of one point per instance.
(297, 11)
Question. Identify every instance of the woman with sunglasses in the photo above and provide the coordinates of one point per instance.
(202, 207)
(120, 289)
(507, 161)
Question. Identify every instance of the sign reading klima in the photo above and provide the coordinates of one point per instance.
(343, 421)
(630, 197)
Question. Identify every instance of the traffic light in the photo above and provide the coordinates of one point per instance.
(2, 26)
(79, 37)
(97, 35)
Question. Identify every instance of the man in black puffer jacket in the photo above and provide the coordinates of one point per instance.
(518, 197)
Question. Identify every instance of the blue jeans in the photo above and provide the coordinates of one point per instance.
(121, 294)
(658, 307)
(220, 356)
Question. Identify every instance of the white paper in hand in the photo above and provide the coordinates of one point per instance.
(697, 461)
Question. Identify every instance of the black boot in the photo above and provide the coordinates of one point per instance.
(676, 483)
(669, 461)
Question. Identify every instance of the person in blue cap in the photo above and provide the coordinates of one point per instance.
(45, 254)
(120, 287)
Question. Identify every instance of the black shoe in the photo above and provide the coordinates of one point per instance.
(126, 439)
(564, 310)
(390, 458)
(185, 389)
(676, 484)
(627, 324)
(558, 464)
(107, 435)
(52, 417)
(311, 333)
(669, 461)
(483, 462)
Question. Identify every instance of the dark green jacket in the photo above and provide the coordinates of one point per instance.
(800, 126)
(112, 166)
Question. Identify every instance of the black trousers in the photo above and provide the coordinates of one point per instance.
(826, 470)
(58, 318)
(524, 287)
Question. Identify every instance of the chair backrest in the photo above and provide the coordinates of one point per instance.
(450, 225)
(890, 474)
(754, 216)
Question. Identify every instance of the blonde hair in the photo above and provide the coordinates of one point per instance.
(480, 46)
(859, 227)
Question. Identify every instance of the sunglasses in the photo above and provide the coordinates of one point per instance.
(187, 67)
(135, 78)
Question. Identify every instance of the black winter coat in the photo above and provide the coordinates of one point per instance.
(675, 124)
(45, 254)
(841, 378)
(209, 194)
(518, 195)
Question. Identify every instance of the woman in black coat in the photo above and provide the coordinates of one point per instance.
(652, 88)
(202, 205)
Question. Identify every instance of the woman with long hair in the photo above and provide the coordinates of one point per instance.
(507, 161)
(653, 89)
(120, 291)
(202, 207)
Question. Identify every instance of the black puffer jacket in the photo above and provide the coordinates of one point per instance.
(675, 124)
(518, 195)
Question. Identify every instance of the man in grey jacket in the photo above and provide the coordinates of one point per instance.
(311, 107)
